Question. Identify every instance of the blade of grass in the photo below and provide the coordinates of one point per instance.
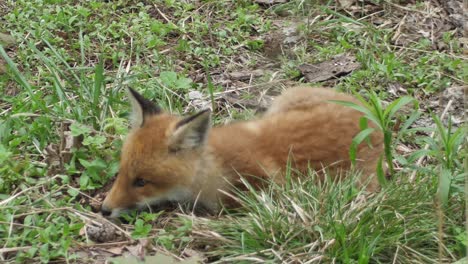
(368, 113)
(22, 80)
(361, 136)
(210, 87)
(381, 173)
(98, 82)
(420, 160)
(61, 59)
(396, 105)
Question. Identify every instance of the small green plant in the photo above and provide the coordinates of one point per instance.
(177, 237)
(255, 44)
(97, 171)
(174, 82)
(9, 177)
(383, 119)
(446, 148)
(141, 229)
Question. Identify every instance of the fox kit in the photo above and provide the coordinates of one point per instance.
(169, 158)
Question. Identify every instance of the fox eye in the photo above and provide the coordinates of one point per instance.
(139, 182)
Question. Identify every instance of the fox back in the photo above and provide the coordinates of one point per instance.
(169, 158)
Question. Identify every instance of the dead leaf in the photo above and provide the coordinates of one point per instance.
(6, 40)
(53, 160)
(283, 39)
(2, 66)
(272, 46)
(396, 89)
(459, 98)
(339, 66)
(403, 149)
(457, 14)
(291, 34)
(270, 2)
(56, 155)
(135, 251)
(346, 3)
(246, 75)
(189, 253)
(139, 250)
(114, 250)
(194, 95)
(158, 258)
(98, 199)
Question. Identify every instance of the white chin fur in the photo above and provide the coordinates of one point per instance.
(116, 213)
(176, 195)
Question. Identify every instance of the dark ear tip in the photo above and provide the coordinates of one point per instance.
(133, 92)
(206, 113)
(147, 106)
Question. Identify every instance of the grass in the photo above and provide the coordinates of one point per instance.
(333, 223)
(64, 115)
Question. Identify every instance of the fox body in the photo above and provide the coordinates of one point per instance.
(169, 158)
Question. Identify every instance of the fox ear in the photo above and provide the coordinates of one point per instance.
(141, 108)
(191, 132)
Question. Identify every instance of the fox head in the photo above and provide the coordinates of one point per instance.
(160, 157)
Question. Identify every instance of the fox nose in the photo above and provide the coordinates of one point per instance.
(106, 211)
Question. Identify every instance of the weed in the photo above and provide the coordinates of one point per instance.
(383, 119)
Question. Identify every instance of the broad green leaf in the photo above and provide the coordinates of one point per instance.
(364, 124)
(381, 173)
(440, 129)
(445, 179)
(84, 181)
(419, 153)
(396, 105)
(457, 138)
(4, 154)
(73, 192)
(79, 129)
(183, 83)
(141, 229)
(367, 113)
(7, 40)
(85, 163)
(362, 100)
(168, 78)
(356, 141)
(95, 141)
(404, 128)
(376, 106)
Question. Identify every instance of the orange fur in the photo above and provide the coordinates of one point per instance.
(186, 161)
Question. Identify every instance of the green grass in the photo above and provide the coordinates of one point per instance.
(66, 78)
(334, 222)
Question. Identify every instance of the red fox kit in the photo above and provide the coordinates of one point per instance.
(169, 158)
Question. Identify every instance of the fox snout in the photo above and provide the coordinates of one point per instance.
(105, 211)
(109, 207)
